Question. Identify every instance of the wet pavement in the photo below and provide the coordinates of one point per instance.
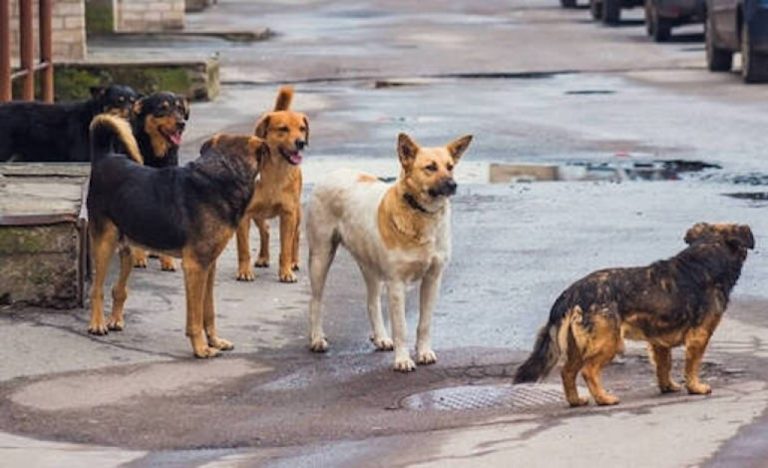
(535, 85)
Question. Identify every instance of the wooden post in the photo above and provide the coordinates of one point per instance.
(46, 49)
(5, 50)
(26, 50)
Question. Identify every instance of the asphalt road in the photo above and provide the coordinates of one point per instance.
(534, 84)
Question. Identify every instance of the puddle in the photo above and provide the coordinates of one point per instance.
(471, 397)
(609, 171)
(755, 199)
(586, 92)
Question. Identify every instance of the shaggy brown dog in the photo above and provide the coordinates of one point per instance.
(672, 302)
(189, 212)
(278, 190)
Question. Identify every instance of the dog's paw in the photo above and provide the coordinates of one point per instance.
(167, 264)
(206, 352)
(220, 343)
(426, 356)
(318, 345)
(383, 343)
(98, 328)
(580, 401)
(295, 266)
(288, 277)
(246, 275)
(607, 400)
(671, 387)
(261, 263)
(699, 389)
(140, 262)
(116, 324)
(405, 364)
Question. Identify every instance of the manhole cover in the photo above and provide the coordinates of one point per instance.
(466, 397)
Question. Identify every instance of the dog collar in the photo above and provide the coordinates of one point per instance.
(411, 200)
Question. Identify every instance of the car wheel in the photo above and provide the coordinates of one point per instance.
(754, 66)
(718, 60)
(611, 12)
(596, 10)
(568, 3)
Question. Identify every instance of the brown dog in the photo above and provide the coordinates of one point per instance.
(278, 190)
(672, 302)
(189, 212)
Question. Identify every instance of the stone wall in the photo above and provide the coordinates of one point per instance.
(68, 24)
(150, 15)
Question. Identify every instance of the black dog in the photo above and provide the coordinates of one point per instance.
(39, 132)
(158, 122)
(189, 212)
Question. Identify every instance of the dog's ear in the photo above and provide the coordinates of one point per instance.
(97, 91)
(185, 108)
(457, 147)
(137, 107)
(741, 237)
(208, 144)
(695, 232)
(306, 132)
(261, 127)
(406, 150)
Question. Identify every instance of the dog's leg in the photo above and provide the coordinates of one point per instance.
(140, 258)
(380, 337)
(209, 315)
(662, 359)
(102, 246)
(571, 368)
(195, 283)
(396, 296)
(244, 270)
(263, 260)
(600, 349)
(167, 263)
(287, 231)
(591, 373)
(430, 286)
(120, 290)
(320, 259)
(696, 341)
(296, 237)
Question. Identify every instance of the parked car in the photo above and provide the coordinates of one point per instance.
(738, 26)
(609, 11)
(663, 15)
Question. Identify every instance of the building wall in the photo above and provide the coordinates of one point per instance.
(150, 15)
(68, 24)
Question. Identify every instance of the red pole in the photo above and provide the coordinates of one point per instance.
(46, 49)
(26, 49)
(5, 50)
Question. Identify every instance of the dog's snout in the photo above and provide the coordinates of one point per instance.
(181, 125)
(300, 144)
(449, 186)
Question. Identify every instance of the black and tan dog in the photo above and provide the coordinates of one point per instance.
(673, 302)
(278, 191)
(189, 212)
(158, 122)
(39, 132)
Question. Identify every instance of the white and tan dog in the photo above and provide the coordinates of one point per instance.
(397, 234)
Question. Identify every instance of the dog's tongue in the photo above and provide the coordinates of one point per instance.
(175, 138)
(295, 158)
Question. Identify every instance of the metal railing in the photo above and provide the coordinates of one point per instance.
(28, 67)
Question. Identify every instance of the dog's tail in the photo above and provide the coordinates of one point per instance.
(284, 98)
(110, 133)
(551, 343)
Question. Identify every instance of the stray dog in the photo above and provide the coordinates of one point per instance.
(189, 212)
(158, 122)
(278, 190)
(397, 234)
(39, 132)
(672, 302)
